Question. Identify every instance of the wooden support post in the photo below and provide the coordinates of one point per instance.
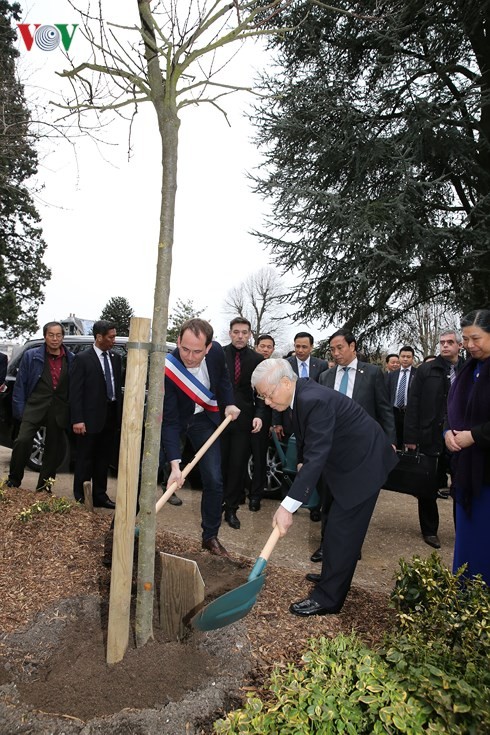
(88, 500)
(181, 590)
(127, 488)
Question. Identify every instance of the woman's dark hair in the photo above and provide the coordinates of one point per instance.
(478, 318)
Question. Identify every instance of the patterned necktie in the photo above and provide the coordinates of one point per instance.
(304, 371)
(107, 375)
(452, 374)
(400, 393)
(237, 367)
(345, 381)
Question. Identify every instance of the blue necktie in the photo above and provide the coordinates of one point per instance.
(400, 394)
(304, 371)
(107, 375)
(344, 383)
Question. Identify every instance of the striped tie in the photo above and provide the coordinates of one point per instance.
(400, 394)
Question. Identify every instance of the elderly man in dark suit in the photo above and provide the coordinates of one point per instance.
(197, 391)
(236, 439)
(40, 398)
(424, 421)
(96, 407)
(336, 438)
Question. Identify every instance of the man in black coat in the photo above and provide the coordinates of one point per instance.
(336, 438)
(236, 439)
(96, 408)
(424, 421)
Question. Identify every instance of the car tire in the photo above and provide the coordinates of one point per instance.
(35, 460)
(273, 472)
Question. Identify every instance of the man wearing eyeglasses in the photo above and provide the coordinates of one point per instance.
(336, 438)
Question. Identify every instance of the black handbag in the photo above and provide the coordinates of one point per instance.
(415, 474)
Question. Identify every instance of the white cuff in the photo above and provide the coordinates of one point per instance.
(291, 504)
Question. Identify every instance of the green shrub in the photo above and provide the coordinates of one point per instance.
(53, 505)
(430, 676)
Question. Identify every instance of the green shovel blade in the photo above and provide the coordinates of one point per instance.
(231, 606)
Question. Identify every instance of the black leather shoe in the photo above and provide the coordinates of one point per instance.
(317, 555)
(108, 503)
(254, 505)
(315, 515)
(312, 577)
(12, 483)
(174, 500)
(214, 546)
(433, 541)
(308, 607)
(231, 519)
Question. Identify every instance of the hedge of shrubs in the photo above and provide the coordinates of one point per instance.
(430, 675)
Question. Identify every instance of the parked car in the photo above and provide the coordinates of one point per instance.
(9, 427)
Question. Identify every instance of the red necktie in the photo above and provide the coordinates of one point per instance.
(237, 367)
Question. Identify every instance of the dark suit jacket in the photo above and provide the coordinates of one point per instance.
(393, 382)
(3, 367)
(244, 396)
(178, 408)
(369, 392)
(338, 439)
(317, 367)
(88, 396)
(427, 406)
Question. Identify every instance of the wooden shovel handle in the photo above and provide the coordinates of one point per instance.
(173, 487)
(270, 544)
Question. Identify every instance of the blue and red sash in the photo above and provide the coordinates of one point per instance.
(189, 384)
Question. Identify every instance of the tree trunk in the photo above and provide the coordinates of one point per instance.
(163, 92)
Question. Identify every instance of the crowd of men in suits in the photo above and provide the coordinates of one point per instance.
(344, 435)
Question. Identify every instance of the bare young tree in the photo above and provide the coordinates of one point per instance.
(258, 299)
(172, 57)
(422, 328)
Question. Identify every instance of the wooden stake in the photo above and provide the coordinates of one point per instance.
(127, 488)
(181, 591)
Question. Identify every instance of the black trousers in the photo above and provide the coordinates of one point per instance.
(54, 448)
(259, 445)
(235, 453)
(94, 454)
(342, 543)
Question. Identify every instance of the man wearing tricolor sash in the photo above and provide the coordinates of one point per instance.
(197, 391)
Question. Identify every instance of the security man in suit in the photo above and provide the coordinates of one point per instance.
(338, 439)
(40, 398)
(305, 366)
(399, 384)
(424, 421)
(241, 361)
(96, 409)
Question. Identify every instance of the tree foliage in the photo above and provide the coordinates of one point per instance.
(119, 311)
(376, 137)
(183, 311)
(22, 271)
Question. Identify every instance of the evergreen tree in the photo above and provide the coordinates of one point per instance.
(376, 137)
(119, 311)
(183, 311)
(22, 271)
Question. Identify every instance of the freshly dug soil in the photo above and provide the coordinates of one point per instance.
(54, 587)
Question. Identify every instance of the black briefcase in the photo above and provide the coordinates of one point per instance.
(415, 474)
